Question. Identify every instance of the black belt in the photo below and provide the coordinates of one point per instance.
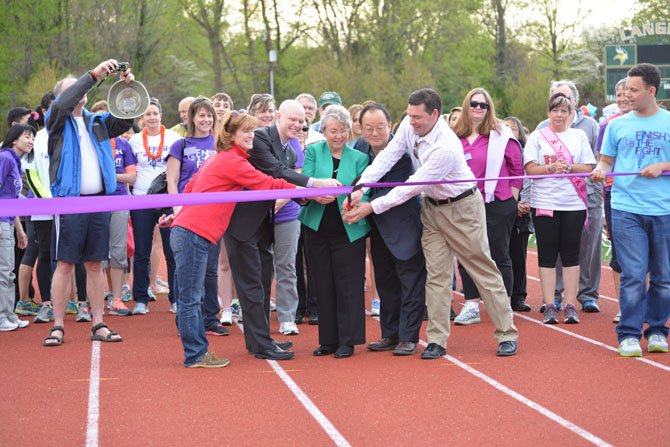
(463, 195)
(101, 193)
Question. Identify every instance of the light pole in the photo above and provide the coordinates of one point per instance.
(272, 56)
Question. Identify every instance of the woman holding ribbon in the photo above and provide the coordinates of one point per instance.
(151, 148)
(491, 151)
(335, 249)
(185, 158)
(558, 205)
(197, 230)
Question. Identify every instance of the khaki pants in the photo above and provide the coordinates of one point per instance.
(459, 229)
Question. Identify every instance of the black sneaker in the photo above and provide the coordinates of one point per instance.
(219, 330)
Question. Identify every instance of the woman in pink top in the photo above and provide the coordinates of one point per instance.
(491, 151)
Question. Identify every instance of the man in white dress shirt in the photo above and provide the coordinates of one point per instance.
(453, 217)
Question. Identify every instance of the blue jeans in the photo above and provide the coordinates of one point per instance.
(144, 222)
(196, 268)
(643, 245)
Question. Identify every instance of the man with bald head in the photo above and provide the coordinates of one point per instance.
(249, 236)
(184, 105)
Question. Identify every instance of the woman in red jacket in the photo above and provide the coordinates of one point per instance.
(197, 229)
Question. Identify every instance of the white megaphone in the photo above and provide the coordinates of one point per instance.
(128, 100)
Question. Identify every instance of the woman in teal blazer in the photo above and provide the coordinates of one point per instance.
(336, 250)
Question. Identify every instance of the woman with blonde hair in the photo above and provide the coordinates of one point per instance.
(491, 151)
(198, 229)
(356, 132)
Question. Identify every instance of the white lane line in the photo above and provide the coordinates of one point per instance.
(589, 340)
(306, 402)
(601, 295)
(576, 429)
(586, 339)
(93, 397)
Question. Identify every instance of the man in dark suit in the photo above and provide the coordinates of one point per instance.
(249, 236)
(395, 242)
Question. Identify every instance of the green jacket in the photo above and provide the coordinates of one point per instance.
(319, 164)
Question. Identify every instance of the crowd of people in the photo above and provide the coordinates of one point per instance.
(222, 258)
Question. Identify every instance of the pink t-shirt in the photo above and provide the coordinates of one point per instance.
(476, 155)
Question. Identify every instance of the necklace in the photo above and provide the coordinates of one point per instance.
(145, 141)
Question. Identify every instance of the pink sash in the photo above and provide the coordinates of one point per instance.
(562, 152)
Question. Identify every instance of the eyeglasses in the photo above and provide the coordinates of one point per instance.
(233, 114)
(481, 105)
(372, 130)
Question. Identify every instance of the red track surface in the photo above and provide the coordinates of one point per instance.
(146, 397)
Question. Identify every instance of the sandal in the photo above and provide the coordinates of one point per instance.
(107, 338)
(58, 340)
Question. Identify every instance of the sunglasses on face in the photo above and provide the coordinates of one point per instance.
(481, 105)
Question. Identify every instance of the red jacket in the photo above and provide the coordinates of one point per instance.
(226, 171)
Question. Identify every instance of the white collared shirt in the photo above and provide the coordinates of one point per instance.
(437, 155)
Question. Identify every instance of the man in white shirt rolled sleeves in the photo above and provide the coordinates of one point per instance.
(453, 217)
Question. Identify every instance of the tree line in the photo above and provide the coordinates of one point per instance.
(363, 49)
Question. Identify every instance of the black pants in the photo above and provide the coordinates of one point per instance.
(518, 249)
(500, 217)
(559, 234)
(251, 265)
(306, 296)
(18, 256)
(39, 249)
(402, 290)
(338, 270)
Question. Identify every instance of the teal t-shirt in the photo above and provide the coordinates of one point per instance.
(636, 143)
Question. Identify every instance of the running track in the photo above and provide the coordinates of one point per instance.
(566, 386)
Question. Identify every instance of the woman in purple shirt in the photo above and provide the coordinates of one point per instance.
(491, 151)
(19, 141)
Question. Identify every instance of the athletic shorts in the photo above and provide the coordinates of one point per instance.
(81, 237)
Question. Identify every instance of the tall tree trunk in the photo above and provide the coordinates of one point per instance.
(251, 47)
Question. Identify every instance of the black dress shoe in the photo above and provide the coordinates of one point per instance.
(283, 344)
(433, 351)
(405, 348)
(275, 353)
(344, 351)
(314, 321)
(385, 344)
(324, 350)
(507, 348)
(520, 306)
(452, 314)
(299, 319)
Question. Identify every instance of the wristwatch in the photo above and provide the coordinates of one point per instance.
(569, 168)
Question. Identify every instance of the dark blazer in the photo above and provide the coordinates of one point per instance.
(268, 157)
(400, 226)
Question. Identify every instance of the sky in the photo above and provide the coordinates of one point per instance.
(602, 12)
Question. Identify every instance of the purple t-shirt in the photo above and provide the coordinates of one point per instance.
(10, 178)
(194, 153)
(291, 210)
(123, 157)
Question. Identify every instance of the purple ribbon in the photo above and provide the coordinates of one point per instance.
(94, 204)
